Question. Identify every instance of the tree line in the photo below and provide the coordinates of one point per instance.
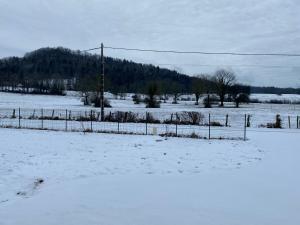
(51, 70)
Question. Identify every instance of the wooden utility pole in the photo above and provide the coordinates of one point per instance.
(102, 84)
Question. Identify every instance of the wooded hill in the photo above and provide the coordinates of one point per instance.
(84, 69)
(38, 68)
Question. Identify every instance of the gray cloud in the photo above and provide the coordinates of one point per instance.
(206, 25)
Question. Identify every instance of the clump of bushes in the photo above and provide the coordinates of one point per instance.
(130, 117)
(13, 116)
(136, 99)
(122, 117)
(96, 102)
(92, 98)
(191, 118)
(216, 124)
(186, 118)
(277, 124)
(150, 119)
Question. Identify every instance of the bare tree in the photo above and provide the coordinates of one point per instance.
(239, 94)
(200, 85)
(176, 91)
(223, 80)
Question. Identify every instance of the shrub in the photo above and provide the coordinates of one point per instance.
(152, 103)
(13, 114)
(215, 124)
(96, 102)
(122, 117)
(136, 99)
(185, 118)
(277, 124)
(150, 119)
(191, 118)
(241, 98)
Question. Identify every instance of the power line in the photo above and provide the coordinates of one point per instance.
(201, 52)
(91, 49)
(206, 53)
(224, 65)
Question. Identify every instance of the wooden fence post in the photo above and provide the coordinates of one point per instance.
(289, 119)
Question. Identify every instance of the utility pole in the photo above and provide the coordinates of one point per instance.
(102, 84)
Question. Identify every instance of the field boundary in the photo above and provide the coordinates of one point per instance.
(182, 124)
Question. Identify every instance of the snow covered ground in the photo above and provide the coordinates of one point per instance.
(72, 101)
(260, 113)
(119, 179)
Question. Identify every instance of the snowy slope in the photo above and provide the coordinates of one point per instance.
(108, 179)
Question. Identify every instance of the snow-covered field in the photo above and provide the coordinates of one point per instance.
(79, 178)
(260, 113)
(72, 101)
(119, 179)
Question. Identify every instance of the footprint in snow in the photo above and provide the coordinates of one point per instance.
(35, 186)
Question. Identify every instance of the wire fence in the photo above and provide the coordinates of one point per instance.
(181, 124)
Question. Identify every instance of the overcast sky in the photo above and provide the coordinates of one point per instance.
(253, 26)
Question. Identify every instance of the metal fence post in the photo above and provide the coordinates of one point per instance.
(146, 123)
(19, 118)
(118, 122)
(91, 120)
(245, 127)
(176, 124)
(66, 120)
(42, 118)
(226, 123)
(209, 126)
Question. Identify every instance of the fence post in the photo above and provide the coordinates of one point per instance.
(297, 122)
(42, 118)
(248, 121)
(66, 120)
(118, 122)
(245, 127)
(209, 126)
(91, 120)
(146, 123)
(226, 124)
(19, 117)
(176, 123)
(289, 119)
